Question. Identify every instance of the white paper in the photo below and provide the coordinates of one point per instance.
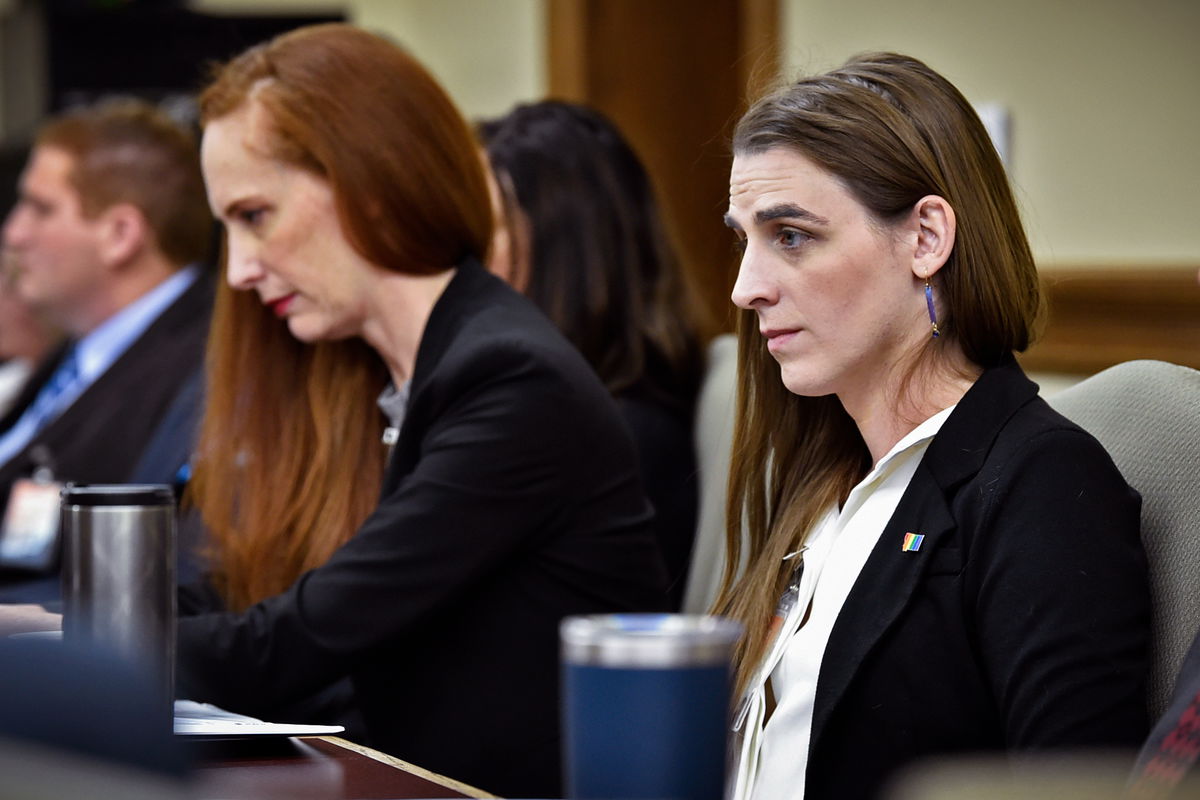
(202, 719)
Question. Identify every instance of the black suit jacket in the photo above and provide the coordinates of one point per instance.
(100, 437)
(662, 435)
(1022, 622)
(511, 501)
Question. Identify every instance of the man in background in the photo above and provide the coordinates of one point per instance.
(105, 241)
(25, 339)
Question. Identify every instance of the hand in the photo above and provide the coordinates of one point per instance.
(27, 618)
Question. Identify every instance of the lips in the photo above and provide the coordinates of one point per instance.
(279, 306)
(778, 337)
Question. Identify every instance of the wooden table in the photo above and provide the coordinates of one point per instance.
(312, 768)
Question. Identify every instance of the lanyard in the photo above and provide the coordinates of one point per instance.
(776, 639)
(748, 720)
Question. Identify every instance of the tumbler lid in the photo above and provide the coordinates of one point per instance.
(648, 640)
(117, 494)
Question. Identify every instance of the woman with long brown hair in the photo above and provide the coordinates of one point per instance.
(587, 244)
(936, 561)
(432, 567)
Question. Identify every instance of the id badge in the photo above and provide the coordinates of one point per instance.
(30, 529)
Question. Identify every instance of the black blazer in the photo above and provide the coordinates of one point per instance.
(662, 435)
(100, 437)
(511, 501)
(1022, 622)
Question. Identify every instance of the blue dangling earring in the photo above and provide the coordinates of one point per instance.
(932, 312)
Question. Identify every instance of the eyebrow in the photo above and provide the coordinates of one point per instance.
(788, 211)
(779, 211)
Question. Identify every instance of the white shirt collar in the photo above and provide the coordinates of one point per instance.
(96, 351)
(918, 435)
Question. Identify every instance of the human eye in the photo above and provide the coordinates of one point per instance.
(250, 216)
(791, 238)
(246, 213)
(739, 243)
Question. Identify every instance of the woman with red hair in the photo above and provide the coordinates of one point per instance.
(432, 568)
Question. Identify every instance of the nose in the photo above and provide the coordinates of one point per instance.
(242, 267)
(16, 228)
(752, 288)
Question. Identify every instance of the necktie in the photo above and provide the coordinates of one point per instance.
(44, 407)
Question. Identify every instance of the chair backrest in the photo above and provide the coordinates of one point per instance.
(714, 440)
(1147, 415)
(1030, 776)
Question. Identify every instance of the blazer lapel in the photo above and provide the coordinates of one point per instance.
(171, 345)
(441, 329)
(890, 577)
(868, 613)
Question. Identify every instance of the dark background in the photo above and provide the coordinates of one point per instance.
(154, 49)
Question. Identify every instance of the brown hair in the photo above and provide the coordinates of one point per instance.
(893, 131)
(289, 460)
(127, 151)
(601, 265)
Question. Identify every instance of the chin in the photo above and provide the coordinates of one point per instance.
(311, 331)
(305, 332)
(804, 383)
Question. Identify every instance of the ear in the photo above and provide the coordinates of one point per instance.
(123, 233)
(935, 222)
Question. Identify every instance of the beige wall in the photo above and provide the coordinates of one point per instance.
(489, 54)
(1104, 97)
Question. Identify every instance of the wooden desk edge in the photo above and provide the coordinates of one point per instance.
(392, 761)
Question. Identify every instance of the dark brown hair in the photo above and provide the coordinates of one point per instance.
(601, 265)
(289, 460)
(892, 131)
(127, 151)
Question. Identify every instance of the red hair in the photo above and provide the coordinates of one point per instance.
(289, 460)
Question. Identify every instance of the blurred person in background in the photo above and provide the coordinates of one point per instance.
(105, 242)
(937, 562)
(25, 339)
(408, 475)
(579, 232)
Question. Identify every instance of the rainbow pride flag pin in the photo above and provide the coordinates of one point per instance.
(912, 542)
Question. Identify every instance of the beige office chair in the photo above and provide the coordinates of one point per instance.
(713, 438)
(1036, 776)
(1147, 415)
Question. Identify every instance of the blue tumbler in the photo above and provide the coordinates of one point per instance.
(646, 705)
